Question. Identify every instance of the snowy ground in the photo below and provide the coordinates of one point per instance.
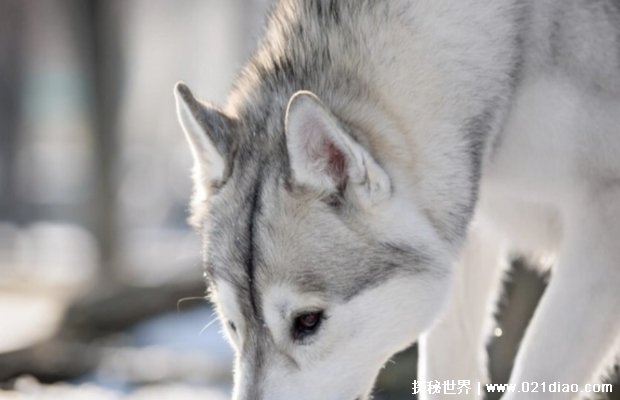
(29, 389)
(172, 356)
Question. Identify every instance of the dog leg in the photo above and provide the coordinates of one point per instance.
(454, 348)
(577, 322)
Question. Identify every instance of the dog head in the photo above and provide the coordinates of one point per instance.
(319, 264)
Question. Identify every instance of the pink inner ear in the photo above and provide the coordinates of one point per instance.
(336, 161)
(322, 152)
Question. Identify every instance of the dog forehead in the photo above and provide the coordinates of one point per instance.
(262, 234)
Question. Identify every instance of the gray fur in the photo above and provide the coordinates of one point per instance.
(583, 40)
(263, 229)
(260, 158)
(248, 229)
(217, 126)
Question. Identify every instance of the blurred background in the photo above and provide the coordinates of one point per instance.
(101, 289)
(95, 252)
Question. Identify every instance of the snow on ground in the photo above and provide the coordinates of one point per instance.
(172, 356)
(27, 388)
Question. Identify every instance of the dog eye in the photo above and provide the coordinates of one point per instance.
(306, 324)
(232, 326)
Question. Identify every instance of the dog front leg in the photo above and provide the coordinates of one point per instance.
(454, 348)
(577, 322)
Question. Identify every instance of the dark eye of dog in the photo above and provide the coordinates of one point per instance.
(232, 326)
(306, 324)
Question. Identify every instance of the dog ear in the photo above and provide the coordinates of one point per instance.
(323, 156)
(210, 134)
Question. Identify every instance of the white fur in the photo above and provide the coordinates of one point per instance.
(309, 126)
(454, 348)
(228, 312)
(560, 152)
(356, 339)
(209, 165)
(543, 194)
(550, 185)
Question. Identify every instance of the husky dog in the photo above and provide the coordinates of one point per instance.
(373, 165)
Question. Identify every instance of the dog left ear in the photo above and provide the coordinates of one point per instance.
(211, 135)
(323, 156)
